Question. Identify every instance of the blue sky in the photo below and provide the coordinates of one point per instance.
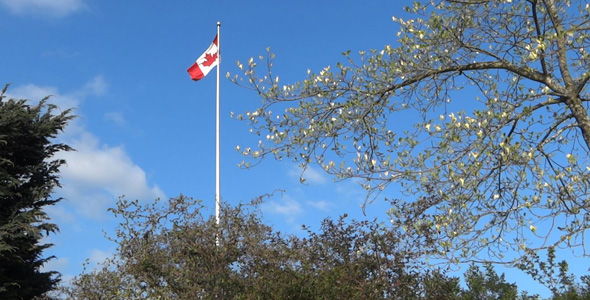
(145, 130)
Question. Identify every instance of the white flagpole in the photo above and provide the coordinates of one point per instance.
(217, 190)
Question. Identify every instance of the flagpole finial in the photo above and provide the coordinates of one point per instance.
(218, 23)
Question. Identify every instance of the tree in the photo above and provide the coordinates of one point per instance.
(497, 158)
(28, 175)
(172, 251)
(554, 275)
(487, 285)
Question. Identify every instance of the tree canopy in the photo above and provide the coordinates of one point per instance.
(171, 250)
(28, 174)
(496, 159)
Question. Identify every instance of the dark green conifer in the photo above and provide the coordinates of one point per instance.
(28, 175)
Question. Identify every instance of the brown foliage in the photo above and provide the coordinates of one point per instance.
(173, 252)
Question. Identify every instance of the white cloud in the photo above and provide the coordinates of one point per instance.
(97, 86)
(312, 175)
(45, 8)
(96, 174)
(321, 205)
(35, 93)
(287, 207)
(60, 263)
(115, 117)
(59, 212)
(98, 256)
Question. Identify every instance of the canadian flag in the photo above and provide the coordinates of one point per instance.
(205, 63)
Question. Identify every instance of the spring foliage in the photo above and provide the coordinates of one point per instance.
(496, 159)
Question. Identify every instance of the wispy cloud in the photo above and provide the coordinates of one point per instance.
(58, 264)
(321, 205)
(44, 8)
(115, 117)
(34, 93)
(98, 256)
(97, 86)
(59, 212)
(287, 207)
(55, 264)
(311, 175)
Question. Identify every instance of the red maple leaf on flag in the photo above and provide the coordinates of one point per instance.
(209, 59)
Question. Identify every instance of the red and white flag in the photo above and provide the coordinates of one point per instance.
(205, 63)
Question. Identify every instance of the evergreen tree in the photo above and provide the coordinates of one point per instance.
(28, 174)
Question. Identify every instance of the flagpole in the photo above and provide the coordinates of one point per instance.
(217, 129)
